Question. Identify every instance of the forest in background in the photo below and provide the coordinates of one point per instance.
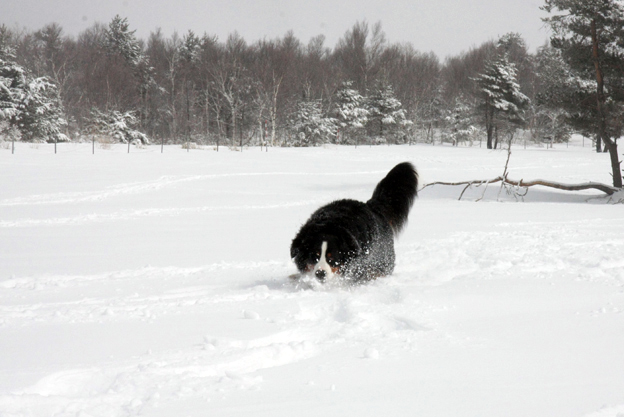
(108, 84)
(280, 91)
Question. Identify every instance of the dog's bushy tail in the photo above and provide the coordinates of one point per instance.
(394, 195)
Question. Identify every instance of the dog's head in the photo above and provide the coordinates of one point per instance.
(323, 254)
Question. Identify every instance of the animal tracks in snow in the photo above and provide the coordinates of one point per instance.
(281, 324)
(137, 214)
(108, 192)
(494, 307)
(143, 187)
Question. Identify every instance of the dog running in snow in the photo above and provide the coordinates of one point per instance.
(355, 240)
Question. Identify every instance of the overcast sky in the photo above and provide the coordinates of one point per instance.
(446, 27)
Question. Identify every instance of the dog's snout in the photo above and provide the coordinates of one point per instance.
(320, 274)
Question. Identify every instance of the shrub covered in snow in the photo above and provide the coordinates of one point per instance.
(117, 125)
(459, 124)
(351, 112)
(29, 104)
(310, 126)
(387, 116)
(8, 132)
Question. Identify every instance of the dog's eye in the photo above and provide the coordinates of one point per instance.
(331, 260)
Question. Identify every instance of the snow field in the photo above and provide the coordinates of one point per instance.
(157, 284)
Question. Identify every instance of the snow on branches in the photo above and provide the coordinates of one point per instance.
(502, 102)
(119, 39)
(351, 110)
(311, 127)
(386, 112)
(30, 104)
(117, 125)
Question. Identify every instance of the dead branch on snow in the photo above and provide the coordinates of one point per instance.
(607, 189)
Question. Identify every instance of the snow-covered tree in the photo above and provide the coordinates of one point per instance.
(8, 133)
(41, 116)
(30, 104)
(189, 54)
(460, 122)
(387, 116)
(556, 106)
(310, 126)
(117, 125)
(590, 36)
(502, 102)
(190, 48)
(119, 39)
(12, 85)
(351, 112)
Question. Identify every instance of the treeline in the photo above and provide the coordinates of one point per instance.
(280, 92)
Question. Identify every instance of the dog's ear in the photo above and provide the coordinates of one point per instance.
(295, 247)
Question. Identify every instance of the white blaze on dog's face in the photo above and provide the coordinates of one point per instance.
(323, 270)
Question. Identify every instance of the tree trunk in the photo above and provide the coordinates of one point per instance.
(188, 114)
(611, 147)
(489, 125)
(233, 126)
(600, 99)
(610, 144)
(598, 144)
(274, 108)
(240, 133)
(495, 137)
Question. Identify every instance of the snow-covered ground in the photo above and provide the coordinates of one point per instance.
(157, 284)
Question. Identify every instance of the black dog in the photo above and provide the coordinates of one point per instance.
(355, 240)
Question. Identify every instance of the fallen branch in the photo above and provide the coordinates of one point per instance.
(607, 189)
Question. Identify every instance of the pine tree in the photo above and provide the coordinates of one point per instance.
(590, 36)
(557, 107)
(387, 116)
(502, 102)
(12, 84)
(30, 104)
(119, 39)
(191, 47)
(41, 115)
(311, 128)
(351, 112)
(460, 122)
(122, 41)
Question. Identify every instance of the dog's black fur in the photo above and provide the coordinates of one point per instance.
(359, 236)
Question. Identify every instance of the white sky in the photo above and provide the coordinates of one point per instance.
(446, 27)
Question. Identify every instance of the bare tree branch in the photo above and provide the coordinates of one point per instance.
(607, 189)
